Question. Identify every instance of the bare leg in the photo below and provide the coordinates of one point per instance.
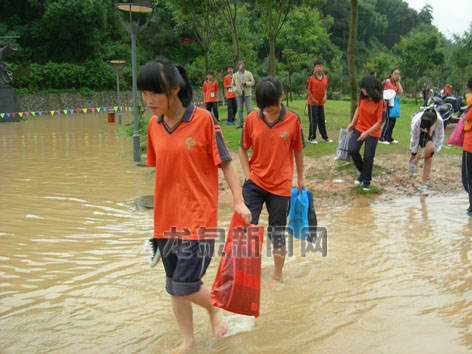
(183, 313)
(279, 260)
(428, 160)
(217, 319)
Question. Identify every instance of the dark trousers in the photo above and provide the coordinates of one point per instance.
(317, 119)
(232, 109)
(387, 130)
(213, 106)
(277, 207)
(364, 166)
(467, 171)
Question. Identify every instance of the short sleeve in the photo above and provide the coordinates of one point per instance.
(218, 148)
(246, 141)
(298, 142)
(151, 152)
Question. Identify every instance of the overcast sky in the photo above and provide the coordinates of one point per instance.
(449, 16)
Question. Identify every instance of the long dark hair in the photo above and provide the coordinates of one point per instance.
(161, 75)
(428, 118)
(373, 87)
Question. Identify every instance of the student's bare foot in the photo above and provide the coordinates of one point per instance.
(185, 347)
(218, 323)
(275, 281)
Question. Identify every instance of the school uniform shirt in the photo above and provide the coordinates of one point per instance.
(369, 114)
(436, 132)
(229, 90)
(317, 87)
(389, 85)
(467, 146)
(186, 159)
(271, 163)
(211, 91)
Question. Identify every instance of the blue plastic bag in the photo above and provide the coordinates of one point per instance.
(394, 112)
(298, 214)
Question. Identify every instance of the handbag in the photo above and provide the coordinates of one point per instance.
(394, 112)
(457, 136)
(342, 150)
(237, 285)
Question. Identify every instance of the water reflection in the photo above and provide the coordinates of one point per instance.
(397, 277)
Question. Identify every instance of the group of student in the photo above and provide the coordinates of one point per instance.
(186, 146)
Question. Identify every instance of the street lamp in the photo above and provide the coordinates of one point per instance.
(139, 7)
(117, 66)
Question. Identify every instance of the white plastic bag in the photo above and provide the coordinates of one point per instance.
(342, 151)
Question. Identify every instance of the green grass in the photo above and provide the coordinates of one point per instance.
(337, 116)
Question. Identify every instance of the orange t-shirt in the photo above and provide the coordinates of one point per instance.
(271, 163)
(186, 158)
(229, 91)
(369, 114)
(468, 133)
(211, 91)
(317, 88)
(389, 85)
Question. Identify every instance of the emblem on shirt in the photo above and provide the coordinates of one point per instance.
(190, 142)
(284, 135)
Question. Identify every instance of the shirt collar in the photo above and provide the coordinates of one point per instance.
(185, 118)
(281, 116)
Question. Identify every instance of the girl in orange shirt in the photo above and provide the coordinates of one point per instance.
(467, 152)
(186, 147)
(365, 127)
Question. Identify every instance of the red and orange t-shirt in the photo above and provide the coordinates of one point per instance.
(227, 82)
(211, 91)
(186, 158)
(271, 163)
(317, 87)
(369, 114)
(467, 146)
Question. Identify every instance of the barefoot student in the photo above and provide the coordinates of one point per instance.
(274, 133)
(365, 126)
(186, 146)
(427, 132)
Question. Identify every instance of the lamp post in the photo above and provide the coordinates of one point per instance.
(117, 66)
(139, 7)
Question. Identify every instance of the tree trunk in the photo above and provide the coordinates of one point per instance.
(351, 52)
(234, 37)
(271, 55)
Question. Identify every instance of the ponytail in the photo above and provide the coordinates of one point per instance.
(185, 93)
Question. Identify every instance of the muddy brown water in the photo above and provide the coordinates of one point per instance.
(397, 277)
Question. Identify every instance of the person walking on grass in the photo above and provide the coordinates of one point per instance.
(186, 147)
(274, 133)
(365, 127)
(427, 132)
(316, 89)
(210, 90)
(230, 96)
(242, 84)
(467, 151)
(391, 83)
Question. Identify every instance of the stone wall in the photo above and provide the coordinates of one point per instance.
(54, 101)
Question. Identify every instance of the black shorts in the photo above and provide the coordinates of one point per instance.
(424, 138)
(277, 207)
(185, 263)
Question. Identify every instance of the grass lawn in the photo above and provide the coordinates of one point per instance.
(337, 116)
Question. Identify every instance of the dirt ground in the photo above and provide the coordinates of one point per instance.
(332, 182)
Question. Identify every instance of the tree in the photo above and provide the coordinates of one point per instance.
(275, 14)
(351, 53)
(419, 51)
(229, 9)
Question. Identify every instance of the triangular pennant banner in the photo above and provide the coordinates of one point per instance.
(98, 109)
(84, 110)
(58, 111)
(116, 108)
(20, 114)
(77, 110)
(65, 111)
(27, 114)
(13, 115)
(2, 115)
(92, 109)
(52, 112)
(40, 113)
(104, 109)
(33, 114)
(71, 111)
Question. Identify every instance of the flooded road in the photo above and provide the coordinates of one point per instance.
(397, 277)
